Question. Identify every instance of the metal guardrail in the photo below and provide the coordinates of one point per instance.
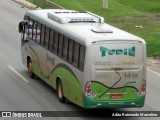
(46, 3)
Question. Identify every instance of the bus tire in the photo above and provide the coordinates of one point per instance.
(61, 98)
(30, 69)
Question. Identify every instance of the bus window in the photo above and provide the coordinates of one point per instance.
(38, 32)
(56, 42)
(65, 48)
(76, 54)
(46, 42)
(30, 28)
(82, 57)
(70, 52)
(42, 35)
(27, 18)
(35, 31)
(51, 40)
(60, 46)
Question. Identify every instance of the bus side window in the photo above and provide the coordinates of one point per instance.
(30, 28)
(82, 58)
(24, 29)
(46, 37)
(70, 51)
(65, 48)
(34, 31)
(38, 32)
(28, 25)
(56, 42)
(51, 40)
(42, 35)
(60, 46)
(26, 18)
(76, 54)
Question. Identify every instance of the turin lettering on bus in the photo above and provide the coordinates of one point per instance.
(127, 51)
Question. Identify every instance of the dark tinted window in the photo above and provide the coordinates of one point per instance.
(42, 35)
(65, 48)
(46, 42)
(51, 40)
(56, 42)
(82, 57)
(60, 46)
(70, 52)
(76, 54)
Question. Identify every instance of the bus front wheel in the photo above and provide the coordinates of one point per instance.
(30, 69)
(61, 98)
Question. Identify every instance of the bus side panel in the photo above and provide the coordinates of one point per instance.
(38, 56)
(72, 89)
(71, 86)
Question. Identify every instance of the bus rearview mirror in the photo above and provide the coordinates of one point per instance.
(21, 27)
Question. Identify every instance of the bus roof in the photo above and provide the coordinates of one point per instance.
(86, 32)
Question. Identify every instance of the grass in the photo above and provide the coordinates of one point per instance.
(143, 5)
(124, 14)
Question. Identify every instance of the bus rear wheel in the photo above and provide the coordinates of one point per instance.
(30, 70)
(61, 98)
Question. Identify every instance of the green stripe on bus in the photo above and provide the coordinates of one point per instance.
(99, 88)
(72, 88)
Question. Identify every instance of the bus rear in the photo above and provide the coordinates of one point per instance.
(118, 74)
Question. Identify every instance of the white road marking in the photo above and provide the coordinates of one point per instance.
(18, 74)
(153, 71)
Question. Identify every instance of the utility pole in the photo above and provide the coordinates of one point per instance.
(105, 4)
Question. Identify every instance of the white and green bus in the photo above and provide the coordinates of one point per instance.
(88, 62)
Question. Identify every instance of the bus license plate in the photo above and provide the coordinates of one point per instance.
(116, 96)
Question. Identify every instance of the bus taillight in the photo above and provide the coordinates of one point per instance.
(88, 89)
(143, 87)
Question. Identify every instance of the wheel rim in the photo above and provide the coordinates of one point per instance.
(30, 68)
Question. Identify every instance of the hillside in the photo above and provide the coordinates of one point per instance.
(140, 17)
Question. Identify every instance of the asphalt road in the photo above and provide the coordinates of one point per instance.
(20, 93)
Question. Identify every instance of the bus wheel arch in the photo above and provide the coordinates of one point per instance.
(59, 87)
